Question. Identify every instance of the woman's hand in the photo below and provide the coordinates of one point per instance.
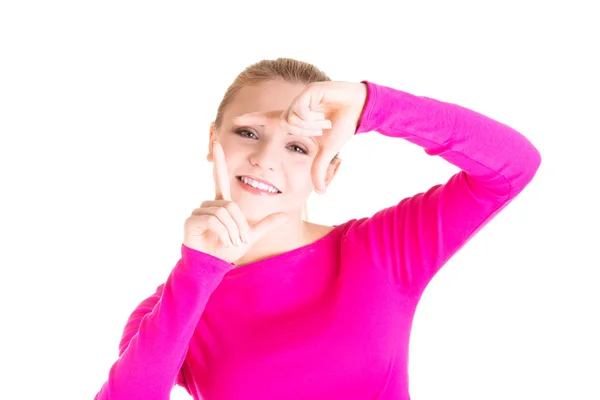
(219, 227)
(329, 110)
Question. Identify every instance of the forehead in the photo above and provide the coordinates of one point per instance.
(266, 96)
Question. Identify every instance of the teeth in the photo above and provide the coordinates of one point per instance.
(258, 185)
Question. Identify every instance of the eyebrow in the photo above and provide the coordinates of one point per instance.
(234, 124)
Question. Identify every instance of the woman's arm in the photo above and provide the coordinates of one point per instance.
(157, 334)
(413, 239)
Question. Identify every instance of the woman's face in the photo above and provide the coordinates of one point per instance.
(267, 153)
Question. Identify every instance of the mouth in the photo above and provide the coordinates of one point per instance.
(257, 186)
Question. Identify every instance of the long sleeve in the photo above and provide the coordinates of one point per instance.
(413, 239)
(157, 334)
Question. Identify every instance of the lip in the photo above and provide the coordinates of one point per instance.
(259, 180)
(254, 190)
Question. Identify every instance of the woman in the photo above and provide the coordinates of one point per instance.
(263, 304)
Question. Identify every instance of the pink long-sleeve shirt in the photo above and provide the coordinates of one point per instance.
(332, 319)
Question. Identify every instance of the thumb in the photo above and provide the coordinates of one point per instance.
(319, 169)
(333, 141)
(266, 224)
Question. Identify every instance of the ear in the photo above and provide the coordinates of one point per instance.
(211, 136)
(332, 170)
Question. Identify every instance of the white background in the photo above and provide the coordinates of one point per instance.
(104, 116)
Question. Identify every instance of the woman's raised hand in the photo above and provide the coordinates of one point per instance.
(219, 227)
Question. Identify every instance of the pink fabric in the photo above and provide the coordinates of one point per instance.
(330, 320)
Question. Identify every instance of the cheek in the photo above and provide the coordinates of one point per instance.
(303, 186)
(233, 155)
(298, 175)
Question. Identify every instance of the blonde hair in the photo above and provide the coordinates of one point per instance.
(286, 69)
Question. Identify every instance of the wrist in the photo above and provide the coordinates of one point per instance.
(361, 96)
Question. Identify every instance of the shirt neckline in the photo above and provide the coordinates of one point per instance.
(282, 258)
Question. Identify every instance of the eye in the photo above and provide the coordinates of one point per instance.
(245, 133)
(251, 135)
(298, 149)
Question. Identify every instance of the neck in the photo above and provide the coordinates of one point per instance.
(286, 237)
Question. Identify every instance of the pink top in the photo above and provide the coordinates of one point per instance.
(332, 319)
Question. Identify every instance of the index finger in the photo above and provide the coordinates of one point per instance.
(257, 118)
(220, 174)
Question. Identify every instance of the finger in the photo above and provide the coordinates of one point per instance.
(331, 145)
(295, 120)
(220, 230)
(268, 223)
(221, 213)
(307, 101)
(294, 130)
(240, 220)
(221, 176)
(315, 99)
(234, 210)
(257, 118)
(301, 106)
(319, 170)
(227, 220)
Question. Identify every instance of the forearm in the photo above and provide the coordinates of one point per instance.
(154, 346)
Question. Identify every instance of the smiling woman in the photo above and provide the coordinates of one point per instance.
(266, 305)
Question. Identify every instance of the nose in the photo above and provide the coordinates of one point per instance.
(266, 155)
